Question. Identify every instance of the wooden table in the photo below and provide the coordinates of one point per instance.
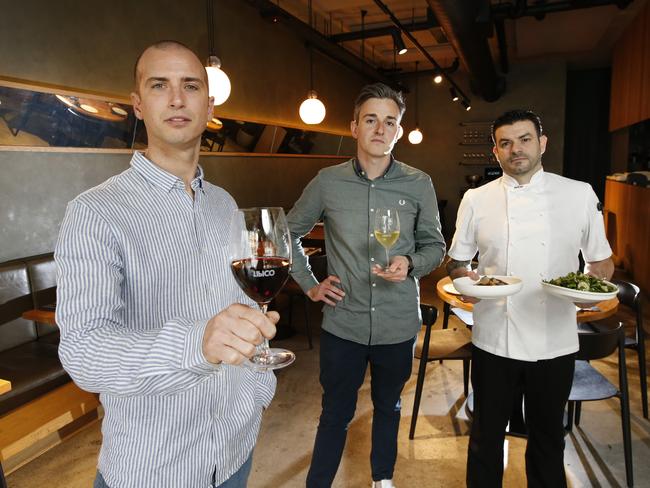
(5, 386)
(517, 425)
(40, 315)
(96, 109)
(317, 233)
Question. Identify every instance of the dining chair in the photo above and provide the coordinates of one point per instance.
(590, 385)
(432, 345)
(629, 295)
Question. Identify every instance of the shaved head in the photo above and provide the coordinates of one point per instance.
(162, 45)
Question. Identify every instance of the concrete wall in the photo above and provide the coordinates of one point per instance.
(36, 187)
(92, 45)
(539, 87)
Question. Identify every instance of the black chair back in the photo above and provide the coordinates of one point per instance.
(597, 345)
(318, 265)
(429, 314)
(628, 293)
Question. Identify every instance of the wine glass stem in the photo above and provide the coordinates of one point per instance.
(264, 347)
(387, 258)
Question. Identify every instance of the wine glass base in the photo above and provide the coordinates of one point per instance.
(273, 358)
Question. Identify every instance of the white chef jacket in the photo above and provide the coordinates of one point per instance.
(534, 232)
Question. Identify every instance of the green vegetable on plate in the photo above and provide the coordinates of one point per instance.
(582, 282)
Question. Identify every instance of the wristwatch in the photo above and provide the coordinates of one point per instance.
(410, 260)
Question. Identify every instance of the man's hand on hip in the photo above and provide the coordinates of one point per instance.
(232, 335)
(326, 291)
(396, 272)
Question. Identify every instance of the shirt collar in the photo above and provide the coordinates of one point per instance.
(161, 178)
(362, 174)
(536, 181)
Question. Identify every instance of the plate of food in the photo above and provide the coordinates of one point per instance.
(582, 288)
(488, 286)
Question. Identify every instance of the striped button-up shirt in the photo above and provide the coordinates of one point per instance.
(142, 267)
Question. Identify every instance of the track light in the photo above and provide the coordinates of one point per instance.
(466, 105)
(454, 94)
(398, 42)
(437, 79)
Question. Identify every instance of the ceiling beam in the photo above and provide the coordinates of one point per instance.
(430, 23)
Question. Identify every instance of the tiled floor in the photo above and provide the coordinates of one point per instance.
(435, 458)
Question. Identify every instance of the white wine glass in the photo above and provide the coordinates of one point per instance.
(386, 229)
(260, 260)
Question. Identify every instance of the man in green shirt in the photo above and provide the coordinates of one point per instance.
(371, 313)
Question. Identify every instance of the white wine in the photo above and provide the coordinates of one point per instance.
(387, 239)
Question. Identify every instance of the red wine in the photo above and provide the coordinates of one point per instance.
(261, 278)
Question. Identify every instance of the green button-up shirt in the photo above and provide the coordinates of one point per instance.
(373, 311)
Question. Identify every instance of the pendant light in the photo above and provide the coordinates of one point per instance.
(312, 110)
(218, 82)
(415, 136)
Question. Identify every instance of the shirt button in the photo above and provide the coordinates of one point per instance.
(372, 259)
(374, 284)
(371, 234)
(373, 309)
(372, 186)
(372, 209)
(543, 243)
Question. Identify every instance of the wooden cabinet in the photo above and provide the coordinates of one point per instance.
(630, 92)
(627, 223)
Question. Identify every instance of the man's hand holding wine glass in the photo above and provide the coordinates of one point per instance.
(232, 335)
(395, 272)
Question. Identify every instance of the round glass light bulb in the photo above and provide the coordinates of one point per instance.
(415, 136)
(437, 79)
(312, 110)
(218, 84)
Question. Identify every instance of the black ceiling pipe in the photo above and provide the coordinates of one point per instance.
(520, 8)
(428, 24)
(464, 26)
(503, 45)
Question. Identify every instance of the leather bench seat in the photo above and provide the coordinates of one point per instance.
(28, 351)
(33, 369)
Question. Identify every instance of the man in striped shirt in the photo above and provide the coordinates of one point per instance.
(150, 315)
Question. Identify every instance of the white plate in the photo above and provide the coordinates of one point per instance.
(449, 288)
(579, 296)
(467, 287)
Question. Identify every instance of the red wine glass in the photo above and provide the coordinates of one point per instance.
(260, 260)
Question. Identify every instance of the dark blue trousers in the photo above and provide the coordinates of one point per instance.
(342, 370)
